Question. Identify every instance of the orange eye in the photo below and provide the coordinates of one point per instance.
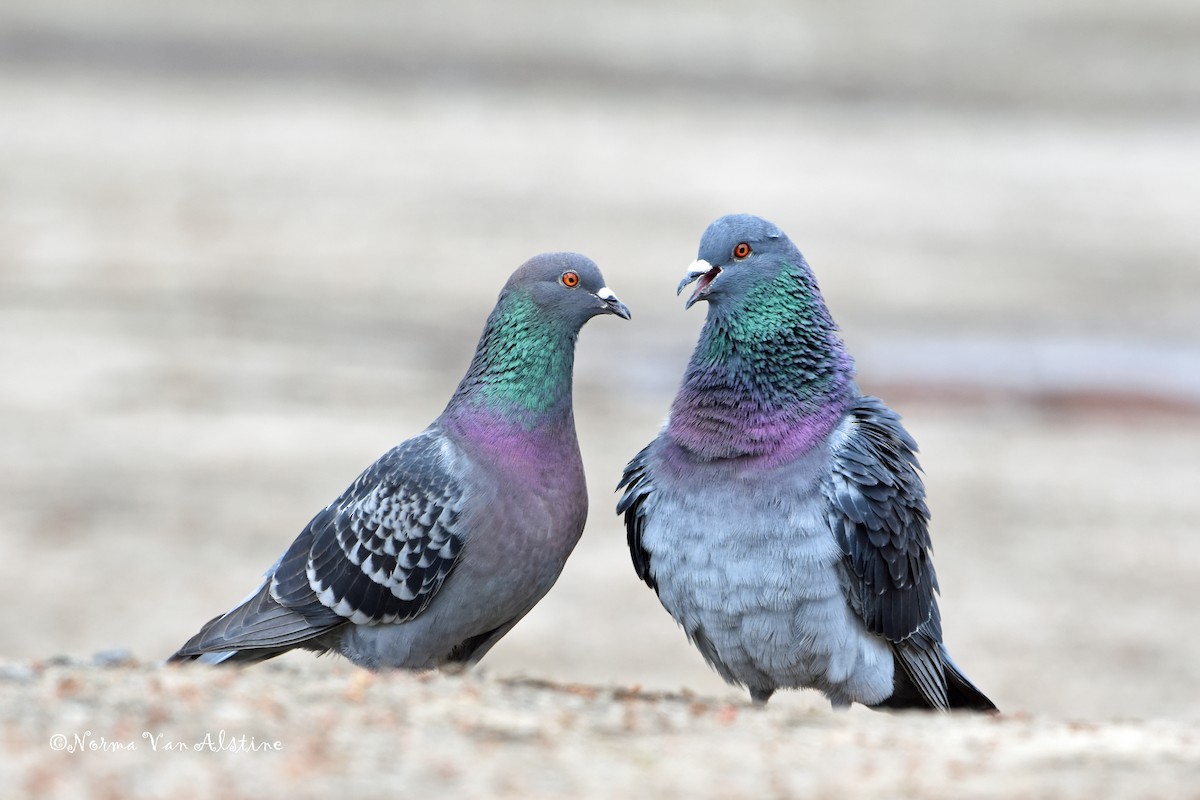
(570, 279)
(741, 251)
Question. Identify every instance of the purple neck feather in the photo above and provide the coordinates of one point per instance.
(546, 454)
(716, 417)
(768, 379)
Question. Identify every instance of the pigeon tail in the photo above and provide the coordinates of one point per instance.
(957, 693)
(962, 694)
(258, 629)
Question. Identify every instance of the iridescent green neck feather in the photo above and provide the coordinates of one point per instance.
(522, 367)
(769, 375)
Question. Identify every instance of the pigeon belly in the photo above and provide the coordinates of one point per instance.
(747, 564)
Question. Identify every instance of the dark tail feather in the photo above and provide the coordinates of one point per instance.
(258, 629)
(914, 681)
(961, 692)
(224, 657)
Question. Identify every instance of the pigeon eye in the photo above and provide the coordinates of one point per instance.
(570, 279)
(741, 250)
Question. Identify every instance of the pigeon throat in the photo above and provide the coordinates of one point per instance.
(717, 416)
(523, 366)
(769, 378)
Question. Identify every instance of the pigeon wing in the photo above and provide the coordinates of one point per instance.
(638, 485)
(381, 551)
(877, 511)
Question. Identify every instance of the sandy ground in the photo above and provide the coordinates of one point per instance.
(332, 732)
(242, 253)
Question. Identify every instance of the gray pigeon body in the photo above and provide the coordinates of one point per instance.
(780, 514)
(442, 545)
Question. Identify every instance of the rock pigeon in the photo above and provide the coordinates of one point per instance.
(442, 545)
(779, 514)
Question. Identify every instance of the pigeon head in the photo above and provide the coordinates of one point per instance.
(565, 287)
(523, 365)
(737, 253)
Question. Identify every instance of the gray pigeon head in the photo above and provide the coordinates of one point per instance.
(566, 287)
(737, 252)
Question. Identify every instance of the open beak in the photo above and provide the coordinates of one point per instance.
(611, 304)
(701, 271)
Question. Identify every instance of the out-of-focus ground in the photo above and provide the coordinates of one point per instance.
(245, 248)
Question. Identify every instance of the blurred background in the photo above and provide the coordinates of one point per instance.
(246, 248)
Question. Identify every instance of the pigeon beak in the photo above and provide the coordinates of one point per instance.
(702, 271)
(611, 304)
